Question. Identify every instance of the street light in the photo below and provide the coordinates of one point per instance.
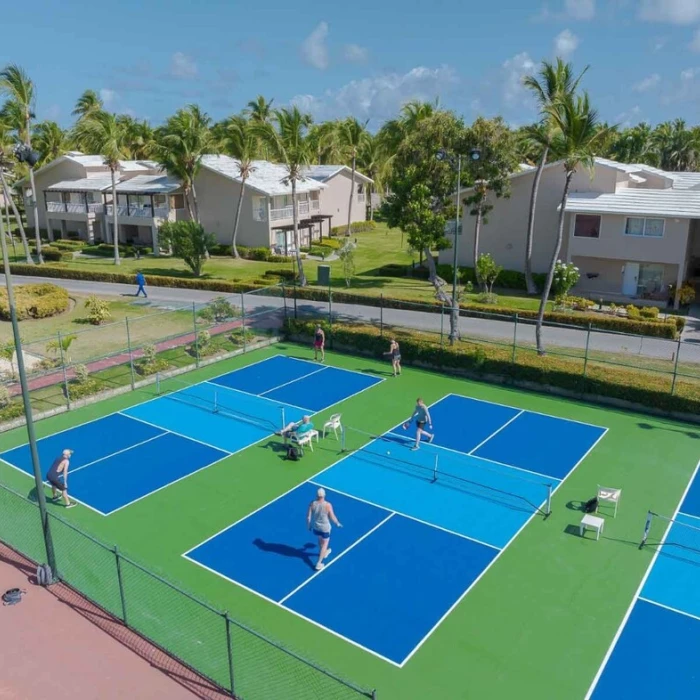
(41, 498)
(474, 156)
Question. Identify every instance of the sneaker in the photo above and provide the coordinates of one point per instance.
(328, 553)
(72, 504)
(431, 438)
(414, 448)
(320, 567)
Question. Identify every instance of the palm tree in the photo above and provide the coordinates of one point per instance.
(19, 89)
(372, 162)
(6, 163)
(182, 143)
(577, 136)
(635, 145)
(351, 137)
(325, 142)
(555, 82)
(138, 137)
(289, 144)
(50, 141)
(240, 141)
(88, 103)
(259, 110)
(102, 134)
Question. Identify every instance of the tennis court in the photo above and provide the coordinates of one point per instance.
(667, 603)
(128, 455)
(420, 528)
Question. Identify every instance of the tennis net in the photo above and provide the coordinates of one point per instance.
(679, 536)
(252, 410)
(449, 469)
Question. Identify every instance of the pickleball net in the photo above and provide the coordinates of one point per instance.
(211, 398)
(475, 476)
(679, 536)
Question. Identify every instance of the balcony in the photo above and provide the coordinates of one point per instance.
(143, 212)
(360, 197)
(73, 208)
(303, 209)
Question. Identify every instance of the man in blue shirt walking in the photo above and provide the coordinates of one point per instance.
(141, 281)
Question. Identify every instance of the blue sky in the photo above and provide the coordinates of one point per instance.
(364, 57)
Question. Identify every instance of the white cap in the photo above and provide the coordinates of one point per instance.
(321, 493)
(67, 453)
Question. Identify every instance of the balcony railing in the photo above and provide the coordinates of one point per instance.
(360, 197)
(260, 214)
(144, 212)
(73, 207)
(303, 209)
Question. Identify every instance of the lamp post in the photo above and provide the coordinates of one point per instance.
(36, 465)
(474, 156)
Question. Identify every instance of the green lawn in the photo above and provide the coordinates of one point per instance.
(535, 627)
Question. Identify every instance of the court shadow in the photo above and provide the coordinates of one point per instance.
(573, 530)
(32, 495)
(284, 550)
(693, 434)
(576, 505)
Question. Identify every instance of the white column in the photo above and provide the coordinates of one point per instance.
(49, 229)
(90, 225)
(154, 238)
(679, 283)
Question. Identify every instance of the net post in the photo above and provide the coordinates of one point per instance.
(342, 438)
(381, 315)
(120, 579)
(196, 339)
(435, 468)
(243, 328)
(647, 527)
(548, 505)
(131, 355)
(216, 401)
(283, 421)
(229, 649)
(588, 342)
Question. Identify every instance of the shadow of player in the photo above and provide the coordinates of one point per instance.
(285, 550)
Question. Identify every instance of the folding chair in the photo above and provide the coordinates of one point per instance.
(608, 495)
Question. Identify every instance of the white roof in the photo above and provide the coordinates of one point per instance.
(323, 173)
(149, 184)
(86, 184)
(266, 177)
(669, 203)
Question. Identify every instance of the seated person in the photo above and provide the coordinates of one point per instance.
(299, 429)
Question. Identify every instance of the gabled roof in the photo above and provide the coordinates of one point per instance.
(323, 173)
(86, 184)
(149, 184)
(266, 178)
(668, 203)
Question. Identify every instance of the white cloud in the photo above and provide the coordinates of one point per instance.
(689, 74)
(648, 83)
(629, 117)
(107, 96)
(380, 97)
(182, 66)
(355, 53)
(671, 11)
(514, 70)
(565, 43)
(580, 9)
(314, 49)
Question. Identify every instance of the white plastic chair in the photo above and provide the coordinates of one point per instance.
(333, 423)
(305, 439)
(608, 495)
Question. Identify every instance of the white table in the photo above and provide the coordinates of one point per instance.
(594, 523)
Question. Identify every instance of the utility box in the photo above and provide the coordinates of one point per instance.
(324, 275)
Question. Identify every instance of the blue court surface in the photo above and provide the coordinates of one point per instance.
(126, 456)
(667, 606)
(419, 527)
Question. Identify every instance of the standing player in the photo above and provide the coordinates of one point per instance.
(58, 478)
(318, 520)
(394, 353)
(422, 417)
(319, 342)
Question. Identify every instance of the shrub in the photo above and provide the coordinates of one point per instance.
(98, 310)
(580, 303)
(507, 279)
(221, 249)
(56, 255)
(81, 389)
(35, 300)
(488, 274)
(355, 227)
(566, 275)
(487, 298)
(632, 311)
(81, 374)
(12, 410)
(218, 309)
(287, 275)
(4, 396)
(332, 243)
(150, 363)
(66, 244)
(649, 312)
(280, 259)
(242, 336)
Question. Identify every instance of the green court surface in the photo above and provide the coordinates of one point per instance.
(536, 625)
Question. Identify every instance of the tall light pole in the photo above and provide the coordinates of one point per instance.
(474, 155)
(36, 465)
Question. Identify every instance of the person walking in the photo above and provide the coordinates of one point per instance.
(319, 342)
(318, 520)
(58, 478)
(141, 281)
(394, 353)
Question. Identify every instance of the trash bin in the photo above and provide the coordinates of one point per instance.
(324, 275)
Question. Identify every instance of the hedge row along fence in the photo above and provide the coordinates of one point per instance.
(643, 389)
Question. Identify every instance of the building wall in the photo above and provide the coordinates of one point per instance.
(218, 199)
(610, 276)
(335, 200)
(68, 170)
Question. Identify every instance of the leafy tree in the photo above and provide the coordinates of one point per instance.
(7, 162)
(551, 84)
(61, 346)
(488, 271)
(347, 257)
(139, 137)
(566, 275)
(351, 138)
(50, 141)
(218, 309)
(326, 142)
(189, 242)
(87, 104)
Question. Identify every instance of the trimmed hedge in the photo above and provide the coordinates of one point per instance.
(106, 250)
(355, 227)
(507, 279)
(51, 254)
(643, 387)
(35, 300)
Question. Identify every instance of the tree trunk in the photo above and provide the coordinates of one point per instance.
(22, 232)
(295, 220)
(188, 203)
(552, 265)
(371, 208)
(195, 208)
(477, 232)
(352, 194)
(35, 215)
(531, 287)
(234, 250)
(115, 219)
(442, 296)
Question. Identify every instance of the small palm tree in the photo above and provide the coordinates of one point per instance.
(352, 136)
(576, 140)
(289, 144)
(50, 141)
(240, 141)
(102, 134)
(19, 89)
(553, 82)
(259, 110)
(88, 103)
(325, 141)
(372, 162)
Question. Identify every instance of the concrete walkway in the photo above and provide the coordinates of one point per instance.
(691, 332)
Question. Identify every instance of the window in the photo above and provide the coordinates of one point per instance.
(649, 228)
(177, 201)
(650, 280)
(587, 226)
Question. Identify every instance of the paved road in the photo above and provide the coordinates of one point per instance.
(500, 330)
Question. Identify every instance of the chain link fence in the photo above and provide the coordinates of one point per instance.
(235, 657)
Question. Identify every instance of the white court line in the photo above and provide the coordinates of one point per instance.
(340, 556)
(291, 381)
(638, 592)
(403, 515)
(118, 452)
(289, 610)
(493, 434)
(279, 404)
(688, 515)
(668, 607)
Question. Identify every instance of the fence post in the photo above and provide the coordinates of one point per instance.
(121, 584)
(295, 301)
(515, 337)
(131, 356)
(63, 365)
(284, 299)
(227, 620)
(675, 368)
(330, 316)
(196, 340)
(585, 357)
(243, 328)
(442, 325)
(381, 315)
